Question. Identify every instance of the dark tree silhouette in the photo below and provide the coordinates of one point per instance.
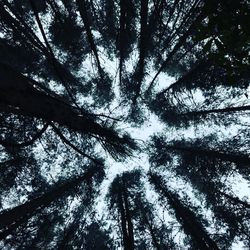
(106, 106)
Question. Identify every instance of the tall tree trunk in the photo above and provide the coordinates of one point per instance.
(10, 219)
(84, 15)
(216, 111)
(125, 235)
(17, 92)
(178, 30)
(191, 225)
(177, 46)
(234, 199)
(142, 46)
(129, 220)
(21, 28)
(239, 159)
(151, 229)
(56, 66)
(122, 36)
(186, 77)
(26, 33)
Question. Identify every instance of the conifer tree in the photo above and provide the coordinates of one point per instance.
(94, 94)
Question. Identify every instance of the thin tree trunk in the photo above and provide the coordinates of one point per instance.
(240, 159)
(217, 111)
(121, 36)
(21, 28)
(186, 77)
(129, 220)
(235, 200)
(185, 20)
(84, 15)
(151, 230)
(142, 47)
(54, 7)
(177, 46)
(26, 33)
(57, 67)
(125, 235)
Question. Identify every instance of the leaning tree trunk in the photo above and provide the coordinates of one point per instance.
(240, 159)
(183, 80)
(228, 110)
(122, 36)
(234, 200)
(84, 15)
(17, 94)
(149, 225)
(22, 29)
(10, 219)
(177, 46)
(191, 225)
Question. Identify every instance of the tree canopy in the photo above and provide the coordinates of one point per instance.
(124, 124)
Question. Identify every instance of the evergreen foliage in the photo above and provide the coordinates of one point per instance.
(124, 124)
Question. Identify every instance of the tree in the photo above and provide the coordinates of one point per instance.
(188, 219)
(135, 214)
(94, 94)
(206, 170)
(12, 218)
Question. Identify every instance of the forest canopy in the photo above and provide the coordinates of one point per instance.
(124, 124)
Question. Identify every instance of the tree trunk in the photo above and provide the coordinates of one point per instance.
(216, 111)
(151, 230)
(21, 28)
(235, 200)
(125, 235)
(17, 91)
(185, 216)
(142, 46)
(84, 15)
(129, 220)
(239, 159)
(177, 46)
(10, 219)
(26, 33)
(121, 36)
(186, 77)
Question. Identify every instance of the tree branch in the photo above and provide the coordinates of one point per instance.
(66, 141)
